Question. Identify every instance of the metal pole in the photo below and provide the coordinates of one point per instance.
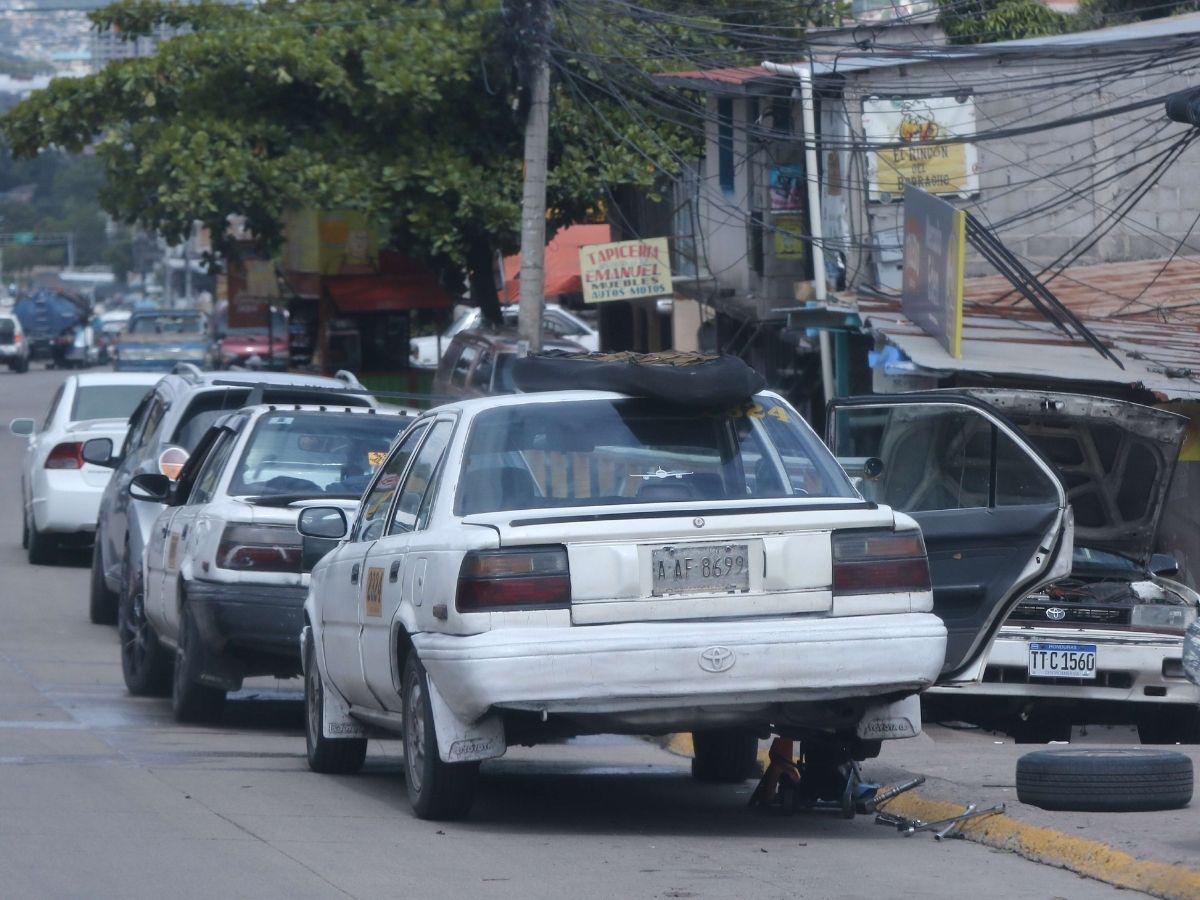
(187, 267)
(533, 202)
(70, 250)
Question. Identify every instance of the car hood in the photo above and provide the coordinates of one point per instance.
(1115, 460)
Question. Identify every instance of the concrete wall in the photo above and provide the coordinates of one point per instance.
(1019, 173)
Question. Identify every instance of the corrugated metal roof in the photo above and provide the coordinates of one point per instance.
(1156, 336)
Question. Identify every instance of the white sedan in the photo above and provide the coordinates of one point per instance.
(536, 566)
(60, 491)
(557, 323)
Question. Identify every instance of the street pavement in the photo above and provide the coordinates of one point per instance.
(102, 795)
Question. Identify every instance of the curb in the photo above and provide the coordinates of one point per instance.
(1083, 856)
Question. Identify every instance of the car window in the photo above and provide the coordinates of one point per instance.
(416, 493)
(560, 326)
(458, 376)
(166, 324)
(598, 452)
(306, 454)
(8, 331)
(106, 401)
(202, 412)
(481, 377)
(213, 466)
(53, 406)
(137, 423)
(375, 505)
(154, 420)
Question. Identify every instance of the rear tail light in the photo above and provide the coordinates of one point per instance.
(879, 562)
(66, 456)
(525, 578)
(171, 461)
(260, 548)
(17, 338)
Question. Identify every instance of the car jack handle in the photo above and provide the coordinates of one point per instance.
(873, 803)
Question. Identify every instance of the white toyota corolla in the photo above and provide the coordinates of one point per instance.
(544, 565)
(60, 490)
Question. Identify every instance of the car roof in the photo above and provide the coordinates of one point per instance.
(475, 405)
(505, 340)
(330, 409)
(90, 379)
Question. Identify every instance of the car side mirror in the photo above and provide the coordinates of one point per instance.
(1164, 564)
(321, 527)
(872, 468)
(152, 487)
(99, 452)
(22, 427)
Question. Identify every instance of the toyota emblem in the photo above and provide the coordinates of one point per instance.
(1056, 613)
(717, 659)
(698, 522)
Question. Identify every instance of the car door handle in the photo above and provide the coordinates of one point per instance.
(394, 571)
(165, 530)
(354, 573)
(183, 534)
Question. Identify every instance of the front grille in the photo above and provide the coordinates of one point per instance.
(1106, 678)
(1082, 615)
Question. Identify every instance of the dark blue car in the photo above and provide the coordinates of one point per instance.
(160, 340)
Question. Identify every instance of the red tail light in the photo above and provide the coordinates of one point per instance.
(66, 456)
(260, 548)
(879, 562)
(17, 338)
(525, 578)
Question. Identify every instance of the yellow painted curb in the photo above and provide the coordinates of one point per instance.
(1083, 856)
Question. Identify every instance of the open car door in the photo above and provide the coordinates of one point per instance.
(994, 514)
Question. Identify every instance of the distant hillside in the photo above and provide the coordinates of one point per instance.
(20, 67)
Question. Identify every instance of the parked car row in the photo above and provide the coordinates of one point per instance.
(518, 568)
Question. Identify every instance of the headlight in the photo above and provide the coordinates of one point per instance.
(1162, 616)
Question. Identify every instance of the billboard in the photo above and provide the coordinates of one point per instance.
(330, 242)
(909, 127)
(626, 270)
(935, 246)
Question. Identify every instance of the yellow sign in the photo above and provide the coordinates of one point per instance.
(374, 591)
(913, 137)
(330, 242)
(626, 270)
(940, 169)
(790, 236)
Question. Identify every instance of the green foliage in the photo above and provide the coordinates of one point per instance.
(985, 21)
(1099, 13)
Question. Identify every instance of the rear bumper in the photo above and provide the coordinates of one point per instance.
(1129, 670)
(64, 504)
(661, 666)
(250, 620)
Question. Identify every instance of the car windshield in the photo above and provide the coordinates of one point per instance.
(603, 452)
(107, 401)
(1086, 560)
(168, 324)
(308, 454)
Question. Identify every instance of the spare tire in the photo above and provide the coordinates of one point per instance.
(1104, 780)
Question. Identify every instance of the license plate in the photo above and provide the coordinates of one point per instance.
(700, 569)
(1062, 660)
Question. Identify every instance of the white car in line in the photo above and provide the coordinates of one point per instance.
(60, 491)
(535, 566)
(223, 585)
(557, 323)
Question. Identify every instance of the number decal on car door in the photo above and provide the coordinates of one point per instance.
(374, 591)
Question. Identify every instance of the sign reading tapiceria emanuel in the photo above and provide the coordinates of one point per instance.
(626, 270)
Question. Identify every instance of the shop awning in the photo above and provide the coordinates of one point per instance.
(562, 262)
(401, 284)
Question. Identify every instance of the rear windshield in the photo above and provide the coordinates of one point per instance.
(601, 452)
(181, 324)
(205, 408)
(8, 330)
(107, 401)
(309, 454)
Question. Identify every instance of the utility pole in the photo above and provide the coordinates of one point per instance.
(533, 202)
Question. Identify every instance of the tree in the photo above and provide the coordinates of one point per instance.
(410, 111)
(985, 21)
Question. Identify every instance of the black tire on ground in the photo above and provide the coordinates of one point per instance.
(330, 756)
(725, 755)
(21, 366)
(1170, 724)
(24, 531)
(1104, 780)
(102, 603)
(192, 701)
(436, 789)
(145, 663)
(42, 548)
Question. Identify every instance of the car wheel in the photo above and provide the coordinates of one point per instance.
(330, 756)
(42, 548)
(192, 701)
(145, 662)
(21, 367)
(102, 603)
(436, 789)
(1104, 780)
(725, 755)
(1170, 725)
(24, 531)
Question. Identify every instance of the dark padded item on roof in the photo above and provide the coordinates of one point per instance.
(686, 379)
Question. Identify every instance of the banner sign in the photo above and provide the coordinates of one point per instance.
(626, 270)
(913, 123)
(935, 246)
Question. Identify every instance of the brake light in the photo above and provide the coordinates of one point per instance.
(65, 456)
(879, 562)
(259, 548)
(171, 461)
(525, 578)
(18, 337)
